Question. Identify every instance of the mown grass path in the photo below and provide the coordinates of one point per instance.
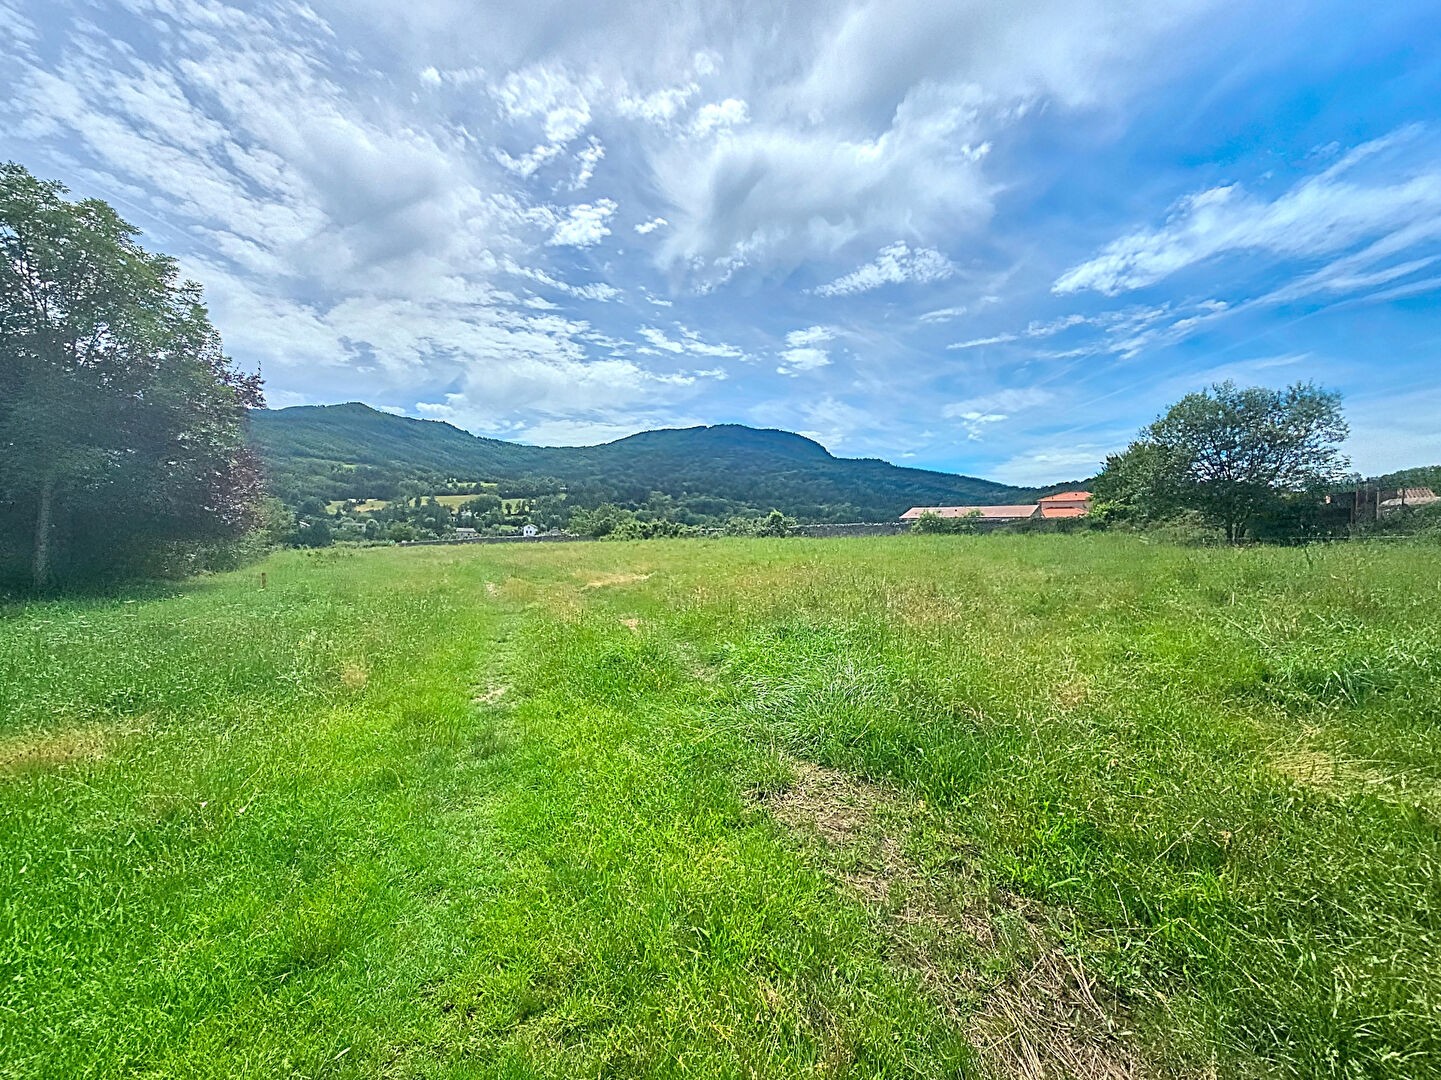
(899, 807)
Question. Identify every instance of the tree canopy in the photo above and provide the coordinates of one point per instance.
(1229, 454)
(122, 422)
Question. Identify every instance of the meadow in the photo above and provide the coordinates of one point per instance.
(1025, 806)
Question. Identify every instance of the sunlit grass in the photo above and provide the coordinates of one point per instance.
(510, 812)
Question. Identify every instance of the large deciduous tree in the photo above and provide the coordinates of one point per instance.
(1229, 454)
(122, 423)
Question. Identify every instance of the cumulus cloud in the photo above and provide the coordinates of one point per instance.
(796, 361)
(583, 225)
(547, 92)
(773, 196)
(651, 226)
(896, 264)
(803, 351)
(811, 335)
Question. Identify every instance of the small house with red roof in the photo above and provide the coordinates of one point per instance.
(1066, 504)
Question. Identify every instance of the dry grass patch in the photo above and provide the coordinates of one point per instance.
(605, 581)
(354, 676)
(1328, 774)
(51, 749)
(1043, 1019)
(492, 694)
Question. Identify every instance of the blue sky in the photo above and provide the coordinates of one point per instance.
(990, 238)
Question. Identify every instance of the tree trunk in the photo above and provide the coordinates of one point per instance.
(40, 567)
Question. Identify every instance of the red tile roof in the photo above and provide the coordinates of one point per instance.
(1063, 511)
(1067, 496)
(983, 513)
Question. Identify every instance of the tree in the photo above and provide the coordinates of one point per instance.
(1230, 454)
(775, 524)
(482, 504)
(931, 522)
(117, 404)
(600, 521)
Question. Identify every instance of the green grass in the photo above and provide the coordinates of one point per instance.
(881, 807)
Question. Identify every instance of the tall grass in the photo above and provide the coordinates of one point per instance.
(499, 812)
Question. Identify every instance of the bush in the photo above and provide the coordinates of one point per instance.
(933, 524)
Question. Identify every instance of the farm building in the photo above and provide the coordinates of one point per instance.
(1066, 504)
(984, 515)
(1410, 498)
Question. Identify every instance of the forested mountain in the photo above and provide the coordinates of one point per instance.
(352, 451)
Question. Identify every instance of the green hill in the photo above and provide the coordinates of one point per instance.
(352, 451)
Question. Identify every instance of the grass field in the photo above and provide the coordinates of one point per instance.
(979, 806)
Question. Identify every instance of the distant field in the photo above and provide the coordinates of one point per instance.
(894, 807)
(362, 506)
(511, 506)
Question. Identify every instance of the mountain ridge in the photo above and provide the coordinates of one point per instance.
(353, 451)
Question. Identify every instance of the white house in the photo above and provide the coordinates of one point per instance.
(529, 530)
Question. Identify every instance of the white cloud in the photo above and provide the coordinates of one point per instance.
(976, 414)
(584, 225)
(651, 226)
(719, 116)
(549, 93)
(774, 195)
(1002, 401)
(595, 290)
(803, 352)
(1056, 326)
(943, 314)
(811, 335)
(976, 343)
(697, 346)
(658, 107)
(796, 361)
(586, 161)
(691, 342)
(1369, 196)
(657, 337)
(896, 264)
(530, 162)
